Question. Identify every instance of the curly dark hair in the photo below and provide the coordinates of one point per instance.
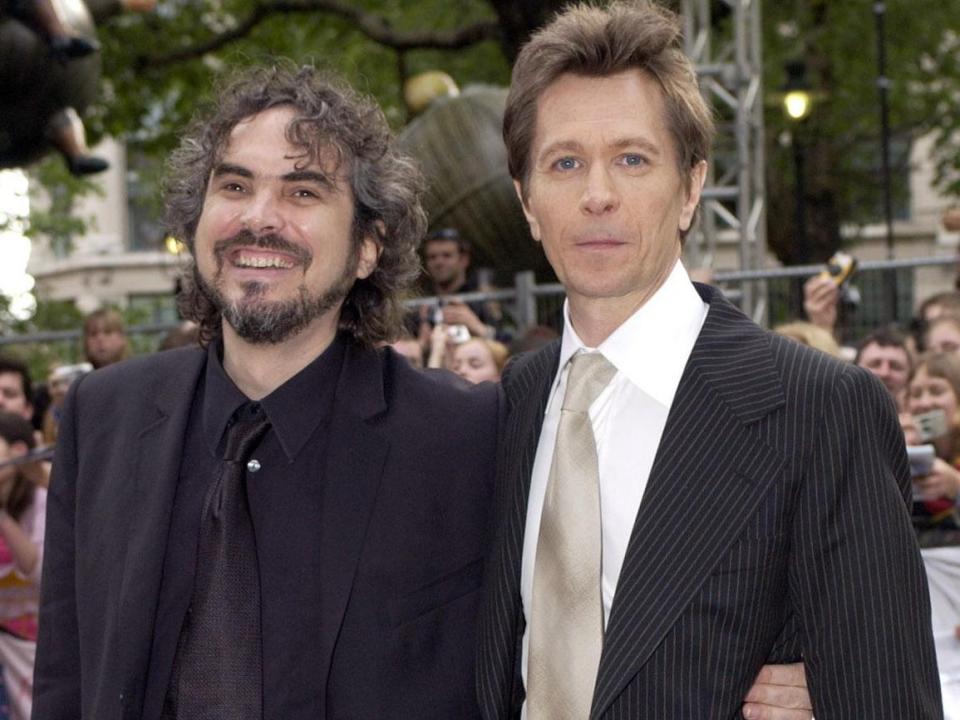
(387, 186)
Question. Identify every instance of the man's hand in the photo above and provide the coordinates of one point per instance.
(459, 313)
(820, 298)
(779, 692)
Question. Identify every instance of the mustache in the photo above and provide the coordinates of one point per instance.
(270, 241)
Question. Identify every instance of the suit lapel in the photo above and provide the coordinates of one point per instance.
(356, 452)
(710, 472)
(159, 444)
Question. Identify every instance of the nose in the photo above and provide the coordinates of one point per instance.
(600, 194)
(262, 213)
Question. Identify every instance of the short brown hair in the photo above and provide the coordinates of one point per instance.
(387, 186)
(591, 41)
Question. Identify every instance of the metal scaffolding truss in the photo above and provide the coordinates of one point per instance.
(723, 39)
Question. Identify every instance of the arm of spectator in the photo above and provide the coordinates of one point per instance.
(25, 553)
(459, 313)
(820, 298)
(37, 472)
(942, 482)
(438, 346)
(779, 692)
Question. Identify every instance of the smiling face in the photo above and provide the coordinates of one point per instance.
(928, 392)
(890, 363)
(275, 247)
(605, 194)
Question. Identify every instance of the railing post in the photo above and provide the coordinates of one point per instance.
(525, 283)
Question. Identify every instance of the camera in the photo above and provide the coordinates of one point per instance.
(458, 334)
(921, 459)
(931, 425)
(840, 268)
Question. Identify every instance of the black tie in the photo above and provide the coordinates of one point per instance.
(217, 672)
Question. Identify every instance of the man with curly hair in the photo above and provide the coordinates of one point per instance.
(249, 529)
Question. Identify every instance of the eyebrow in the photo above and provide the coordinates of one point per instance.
(620, 143)
(313, 176)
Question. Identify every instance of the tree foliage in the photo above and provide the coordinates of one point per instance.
(158, 66)
(837, 39)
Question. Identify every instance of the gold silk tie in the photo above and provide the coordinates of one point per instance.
(566, 618)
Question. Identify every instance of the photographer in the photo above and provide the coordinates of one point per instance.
(933, 400)
(22, 520)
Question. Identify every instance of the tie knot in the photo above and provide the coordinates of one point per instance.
(243, 434)
(589, 375)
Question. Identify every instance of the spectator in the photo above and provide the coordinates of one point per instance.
(821, 298)
(942, 334)
(410, 349)
(185, 334)
(533, 338)
(16, 397)
(884, 353)
(16, 388)
(806, 333)
(935, 385)
(480, 360)
(447, 260)
(945, 303)
(22, 514)
(58, 383)
(443, 341)
(104, 339)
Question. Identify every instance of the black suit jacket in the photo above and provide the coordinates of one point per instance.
(407, 492)
(774, 526)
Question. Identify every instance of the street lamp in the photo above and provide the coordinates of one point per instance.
(797, 103)
(797, 97)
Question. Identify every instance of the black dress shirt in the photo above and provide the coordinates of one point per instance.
(285, 496)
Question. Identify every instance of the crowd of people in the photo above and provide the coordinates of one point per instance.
(920, 368)
(919, 365)
(291, 521)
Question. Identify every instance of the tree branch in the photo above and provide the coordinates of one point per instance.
(375, 27)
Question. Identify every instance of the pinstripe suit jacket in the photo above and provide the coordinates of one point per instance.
(774, 526)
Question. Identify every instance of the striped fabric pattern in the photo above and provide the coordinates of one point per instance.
(774, 527)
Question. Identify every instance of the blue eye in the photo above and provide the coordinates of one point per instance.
(634, 160)
(566, 163)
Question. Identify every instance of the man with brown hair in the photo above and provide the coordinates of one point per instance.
(682, 495)
(248, 529)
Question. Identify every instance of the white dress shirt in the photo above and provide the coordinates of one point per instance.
(649, 350)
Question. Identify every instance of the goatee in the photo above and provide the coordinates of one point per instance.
(260, 321)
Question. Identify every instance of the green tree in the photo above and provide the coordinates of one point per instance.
(837, 41)
(159, 66)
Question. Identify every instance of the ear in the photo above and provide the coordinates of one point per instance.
(369, 251)
(531, 219)
(698, 176)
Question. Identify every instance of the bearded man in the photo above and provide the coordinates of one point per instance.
(249, 530)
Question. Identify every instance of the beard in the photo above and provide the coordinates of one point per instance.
(265, 322)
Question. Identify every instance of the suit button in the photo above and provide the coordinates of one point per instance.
(253, 466)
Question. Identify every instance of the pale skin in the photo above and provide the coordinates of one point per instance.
(926, 393)
(261, 185)
(607, 200)
(24, 551)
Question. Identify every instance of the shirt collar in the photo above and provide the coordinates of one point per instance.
(295, 409)
(652, 346)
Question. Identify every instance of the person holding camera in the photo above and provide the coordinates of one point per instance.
(932, 432)
(22, 521)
